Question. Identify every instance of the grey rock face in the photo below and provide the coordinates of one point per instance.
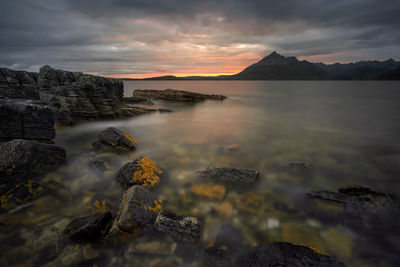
(112, 139)
(23, 119)
(175, 95)
(125, 174)
(90, 228)
(230, 175)
(84, 96)
(18, 84)
(286, 254)
(182, 228)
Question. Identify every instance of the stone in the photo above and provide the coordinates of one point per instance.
(112, 139)
(138, 208)
(98, 166)
(216, 256)
(88, 229)
(18, 84)
(286, 254)
(141, 171)
(229, 175)
(182, 228)
(24, 119)
(209, 191)
(137, 100)
(151, 247)
(175, 95)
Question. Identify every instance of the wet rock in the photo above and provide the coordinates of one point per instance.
(90, 228)
(359, 200)
(25, 119)
(98, 165)
(228, 175)
(209, 191)
(230, 237)
(150, 247)
(182, 228)
(112, 139)
(285, 254)
(300, 165)
(138, 208)
(141, 171)
(18, 84)
(163, 110)
(137, 100)
(175, 95)
(216, 256)
(22, 162)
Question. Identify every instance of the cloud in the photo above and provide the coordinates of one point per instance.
(155, 37)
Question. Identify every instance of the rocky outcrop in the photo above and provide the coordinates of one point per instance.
(18, 84)
(138, 208)
(90, 228)
(175, 95)
(286, 254)
(114, 140)
(137, 100)
(359, 200)
(25, 119)
(141, 171)
(238, 176)
(83, 96)
(181, 228)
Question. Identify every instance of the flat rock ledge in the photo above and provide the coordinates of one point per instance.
(114, 140)
(238, 176)
(174, 95)
(182, 228)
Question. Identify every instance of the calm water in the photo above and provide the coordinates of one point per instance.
(348, 131)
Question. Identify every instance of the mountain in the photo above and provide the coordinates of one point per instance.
(278, 67)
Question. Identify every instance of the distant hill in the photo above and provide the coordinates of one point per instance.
(278, 67)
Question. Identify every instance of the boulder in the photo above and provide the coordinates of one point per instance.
(25, 119)
(216, 256)
(18, 84)
(182, 228)
(286, 254)
(88, 229)
(22, 160)
(114, 140)
(138, 208)
(141, 171)
(175, 95)
(228, 175)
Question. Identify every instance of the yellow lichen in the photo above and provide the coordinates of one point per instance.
(130, 138)
(208, 190)
(98, 206)
(147, 173)
(157, 206)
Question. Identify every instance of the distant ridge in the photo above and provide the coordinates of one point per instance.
(278, 67)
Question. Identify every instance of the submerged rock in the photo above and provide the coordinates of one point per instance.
(142, 171)
(286, 254)
(230, 175)
(175, 95)
(217, 256)
(359, 200)
(90, 228)
(25, 119)
(98, 166)
(18, 84)
(146, 246)
(112, 139)
(138, 208)
(182, 228)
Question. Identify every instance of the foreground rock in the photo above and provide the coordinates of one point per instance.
(114, 140)
(359, 200)
(141, 171)
(182, 228)
(21, 161)
(138, 209)
(23, 119)
(18, 84)
(236, 176)
(88, 229)
(286, 254)
(175, 95)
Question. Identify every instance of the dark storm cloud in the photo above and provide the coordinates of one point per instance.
(183, 36)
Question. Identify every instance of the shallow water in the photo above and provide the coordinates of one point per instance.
(348, 131)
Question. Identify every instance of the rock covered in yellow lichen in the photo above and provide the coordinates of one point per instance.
(112, 139)
(209, 191)
(142, 171)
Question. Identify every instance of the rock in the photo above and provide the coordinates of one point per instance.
(175, 95)
(285, 254)
(83, 96)
(137, 100)
(24, 119)
(88, 229)
(182, 228)
(18, 84)
(228, 236)
(360, 200)
(300, 165)
(141, 171)
(112, 139)
(98, 166)
(138, 208)
(150, 247)
(22, 161)
(216, 256)
(230, 175)
(163, 110)
(209, 191)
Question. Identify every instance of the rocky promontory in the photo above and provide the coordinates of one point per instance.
(175, 95)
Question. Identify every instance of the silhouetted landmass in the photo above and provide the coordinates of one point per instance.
(278, 67)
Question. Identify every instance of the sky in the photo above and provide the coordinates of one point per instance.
(135, 39)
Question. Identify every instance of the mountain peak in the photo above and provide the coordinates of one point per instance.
(273, 55)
